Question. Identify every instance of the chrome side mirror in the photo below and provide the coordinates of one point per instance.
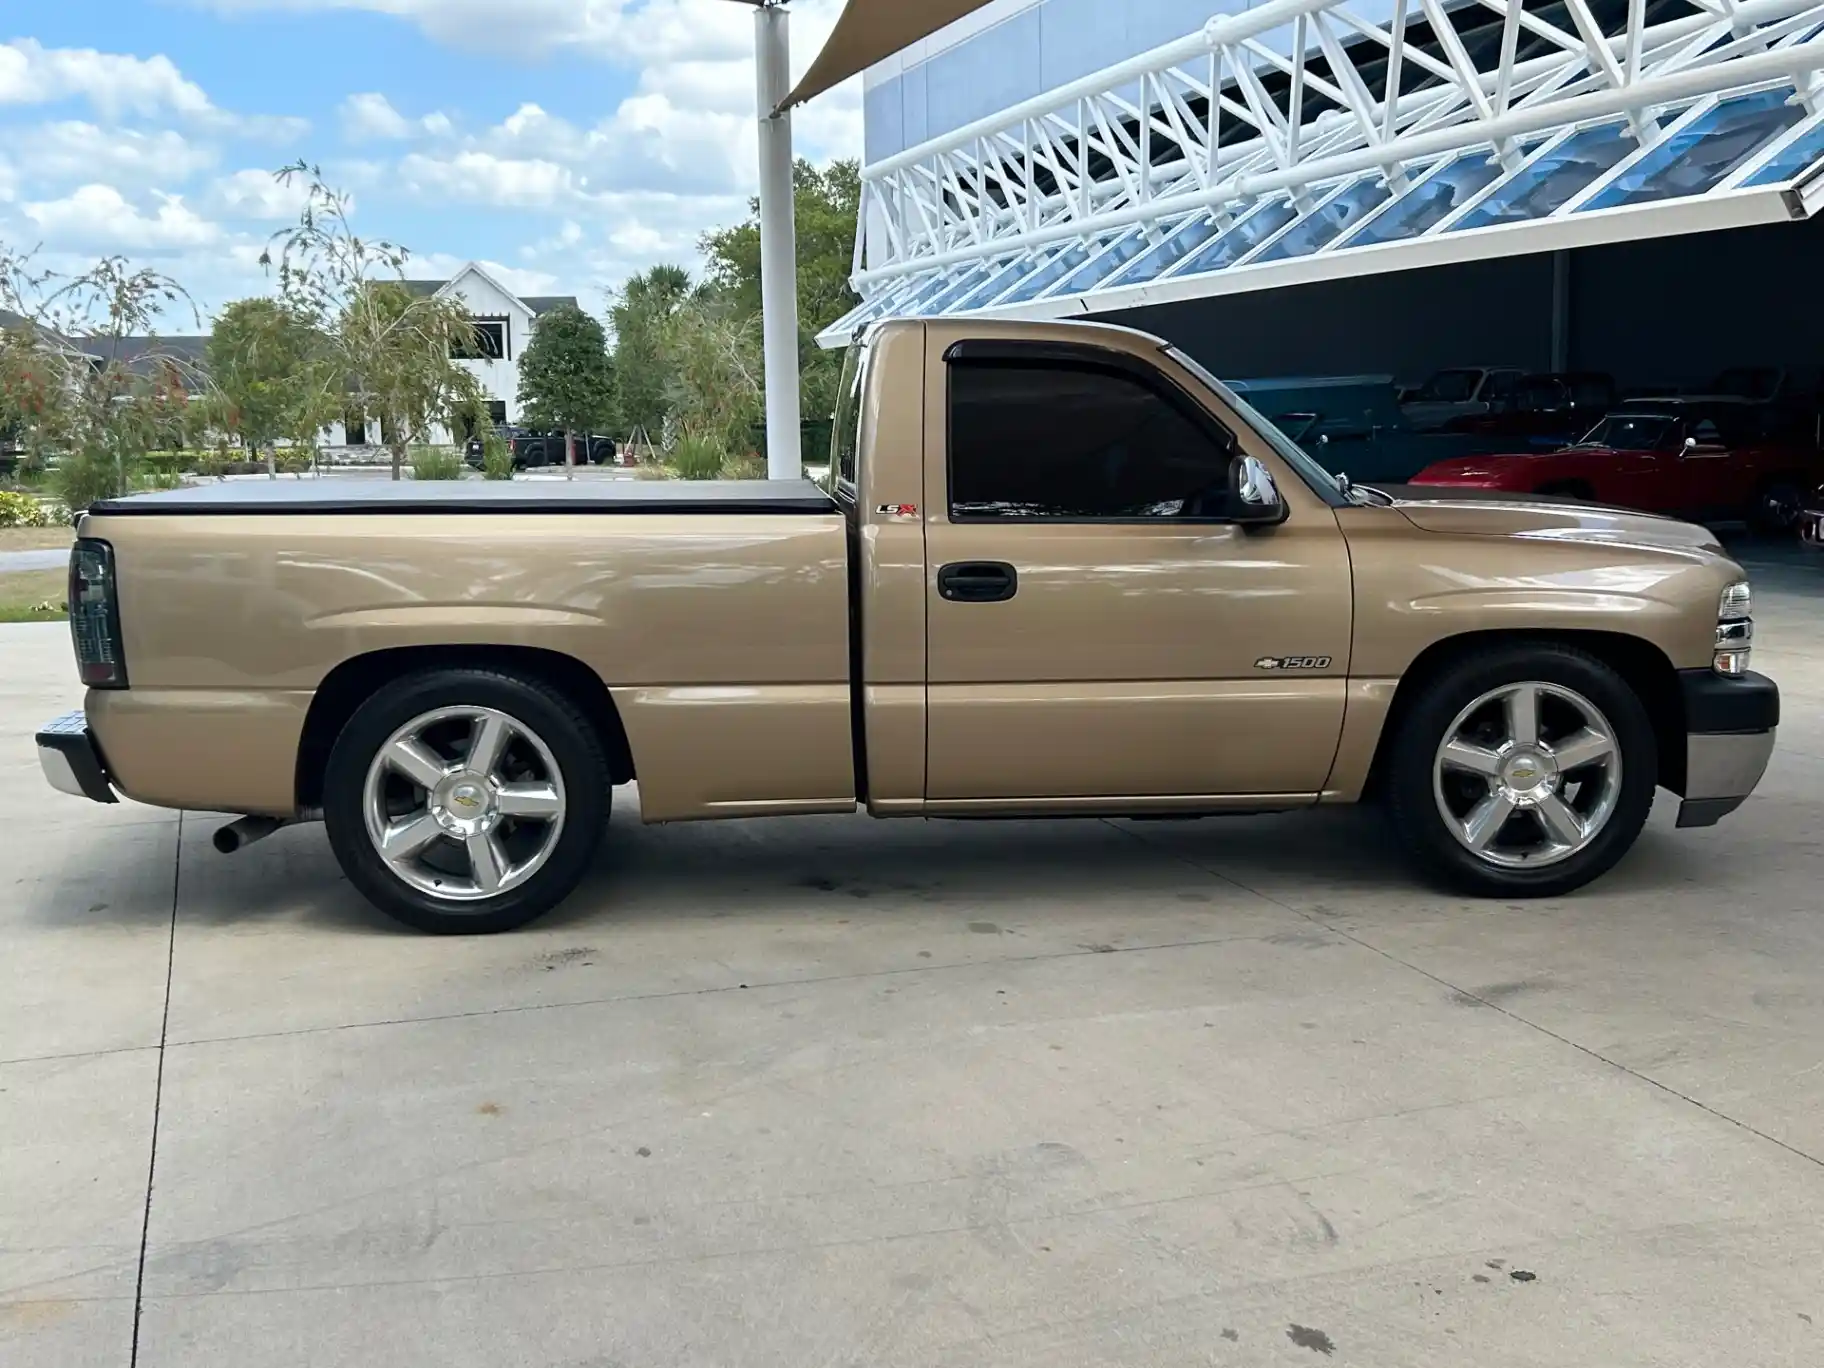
(1254, 497)
(1690, 446)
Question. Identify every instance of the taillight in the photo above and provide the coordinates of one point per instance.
(95, 616)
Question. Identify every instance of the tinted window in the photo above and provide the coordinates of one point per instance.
(847, 431)
(1078, 442)
(1706, 433)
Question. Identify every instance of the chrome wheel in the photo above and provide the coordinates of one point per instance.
(1528, 775)
(464, 803)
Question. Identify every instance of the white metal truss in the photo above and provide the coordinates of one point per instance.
(1306, 108)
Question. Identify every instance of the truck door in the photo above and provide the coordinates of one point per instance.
(1096, 629)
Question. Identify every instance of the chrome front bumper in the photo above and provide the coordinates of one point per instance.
(71, 761)
(1731, 727)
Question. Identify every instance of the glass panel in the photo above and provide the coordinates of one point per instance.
(1052, 271)
(1552, 179)
(1241, 237)
(929, 286)
(1702, 153)
(961, 285)
(1429, 202)
(1335, 216)
(1168, 253)
(1124, 249)
(1000, 280)
(1791, 163)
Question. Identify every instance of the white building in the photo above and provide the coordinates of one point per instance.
(1336, 187)
(504, 324)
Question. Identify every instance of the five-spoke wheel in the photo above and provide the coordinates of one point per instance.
(466, 800)
(1528, 774)
(1528, 769)
(465, 803)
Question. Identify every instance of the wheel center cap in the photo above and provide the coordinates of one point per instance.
(1528, 776)
(464, 805)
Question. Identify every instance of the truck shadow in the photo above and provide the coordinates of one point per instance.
(791, 868)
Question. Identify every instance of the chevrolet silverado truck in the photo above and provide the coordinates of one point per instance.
(1060, 571)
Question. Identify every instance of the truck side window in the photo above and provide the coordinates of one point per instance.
(847, 432)
(1077, 442)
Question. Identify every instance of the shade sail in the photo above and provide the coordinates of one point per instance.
(870, 30)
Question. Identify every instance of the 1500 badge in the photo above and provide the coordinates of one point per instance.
(1292, 663)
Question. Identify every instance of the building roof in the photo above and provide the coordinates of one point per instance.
(538, 304)
(1512, 131)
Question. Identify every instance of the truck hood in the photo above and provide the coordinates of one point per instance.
(1495, 513)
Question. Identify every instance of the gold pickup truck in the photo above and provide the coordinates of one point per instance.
(1060, 571)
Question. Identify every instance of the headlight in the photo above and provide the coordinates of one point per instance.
(1734, 630)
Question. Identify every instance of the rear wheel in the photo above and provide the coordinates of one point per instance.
(466, 801)
(1527, 772)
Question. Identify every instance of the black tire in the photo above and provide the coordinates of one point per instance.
(559, 723)
(1778, 507)
(1421, 731)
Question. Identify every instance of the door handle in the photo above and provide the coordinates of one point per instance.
(978, 582)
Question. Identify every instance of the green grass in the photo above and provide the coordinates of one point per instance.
(24, 594)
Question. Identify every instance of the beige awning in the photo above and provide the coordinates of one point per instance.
(870, 30)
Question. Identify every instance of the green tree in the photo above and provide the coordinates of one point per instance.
(715, 379)
(393, 350)
(827, 203)
(640, 313)
(269, 377)
(566, 381)
(71, 382)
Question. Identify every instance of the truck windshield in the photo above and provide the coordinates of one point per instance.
(1313, 474)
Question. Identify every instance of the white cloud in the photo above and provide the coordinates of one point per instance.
(76, 152)
(259, 195)
(117, 85)
(99, 218)
(371, 117)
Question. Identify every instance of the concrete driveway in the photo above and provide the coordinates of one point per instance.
(839, 1092)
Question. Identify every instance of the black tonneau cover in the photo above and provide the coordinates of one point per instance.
(356, 495)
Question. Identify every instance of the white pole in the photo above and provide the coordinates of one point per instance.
(778, 244)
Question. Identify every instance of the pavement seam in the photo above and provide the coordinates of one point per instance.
(158, 1095)
(1469, 994)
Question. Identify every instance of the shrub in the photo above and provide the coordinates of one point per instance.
(435, 463)
(157, 479)
(748, 467)
(22, 510)
(87, 477)
(698, 458)
(496, 457)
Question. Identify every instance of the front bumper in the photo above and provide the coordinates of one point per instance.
(71, 761)
(1730, 727)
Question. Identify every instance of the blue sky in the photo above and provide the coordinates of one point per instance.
(566, 146)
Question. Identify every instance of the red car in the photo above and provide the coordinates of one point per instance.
(1703, 459)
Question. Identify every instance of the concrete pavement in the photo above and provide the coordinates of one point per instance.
(837, 1091)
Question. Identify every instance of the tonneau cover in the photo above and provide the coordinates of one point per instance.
(355, 495)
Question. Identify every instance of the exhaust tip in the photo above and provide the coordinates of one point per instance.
(239, 835)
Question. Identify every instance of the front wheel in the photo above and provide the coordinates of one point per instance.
(1526, 772)
(1778, 508)
(466, 801)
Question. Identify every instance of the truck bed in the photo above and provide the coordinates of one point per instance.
(242, 498)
